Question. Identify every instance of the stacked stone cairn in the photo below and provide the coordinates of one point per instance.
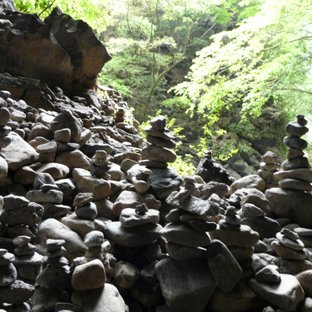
(296, 173)
(289, 246)
(100, 165)
(268, 166)
(28, 261)
(53, 282)
(134, 239)
(157, 154)
(47, 193)
(189, 245)
(14, 293)
(239, 238)
(20, 216)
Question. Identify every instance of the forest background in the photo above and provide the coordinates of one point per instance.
(228, 74)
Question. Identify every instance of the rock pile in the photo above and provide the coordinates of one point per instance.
(293, 197)
(268, 166)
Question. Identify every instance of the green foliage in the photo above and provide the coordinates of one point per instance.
(264, 60)
(93, 12)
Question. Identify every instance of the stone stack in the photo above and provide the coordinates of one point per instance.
(293, 198)
(54, 280)
(296, 173)
(305, 235)
(84, 207)
(19, 216)
(28, 261)
(190, 220)
(157, 154)
(13, 292)
(47, 193)
(288, 245)
(100, 165)
(268, 166)
(239, 238)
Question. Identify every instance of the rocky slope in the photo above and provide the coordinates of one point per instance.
(92, 218)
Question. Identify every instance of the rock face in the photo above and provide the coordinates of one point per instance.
(78, 54)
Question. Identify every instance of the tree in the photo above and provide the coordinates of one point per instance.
(264, 63)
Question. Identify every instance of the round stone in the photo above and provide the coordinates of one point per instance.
(94, 239)
(87, 212)
(21, 240)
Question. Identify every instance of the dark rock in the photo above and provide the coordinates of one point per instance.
(186, 285)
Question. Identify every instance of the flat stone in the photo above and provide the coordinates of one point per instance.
(295, 142)
(18, 153)
(158, 153)
(304, 174)
(132, 237)
(184, 235)
(186, 285)
(290, 234)
(90, 275)
(201, 225)
(289, 242)
(223, 266)
(294, 153)
(296, 163)
(129, 218)
(105, 299)
(165, 134)
(245, 237)
(158, 141)
(295, 129)
(153, 164)
(303, 231)
(38, 196)
(285, 295)
(288, 253)
(182, 252)
(294, 184)
(17, 293)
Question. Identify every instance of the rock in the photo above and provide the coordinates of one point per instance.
(3, 168)
(51, 196)
(132, 237)
(303, 174)
(17, 293)
(89, 275)
(130, 218)
(52, 228)
(305, 280)
(18, 153)
(164, 181)
(182, 252)
(295, 184)
(29, 33)
(74, 159)
(94, 239)
(285, 295)
(307, 305)
(8, 274)
(158, 153)
(295, 142)
(250, 181)
(105, 299)
(184, 235)
(293, 204)
(56, 170)
(125, 274)
(186, 285)
(223, 266)
(268, 275)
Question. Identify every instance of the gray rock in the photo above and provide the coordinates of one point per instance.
(286, 295)
(250, 181)
(51, 196)
(223, 266)
(17, 293)
(182, 252)
(8, 274)
(125, 275)
(305, 280)
(130, 218)
(105, 299)
(293, 204)
(295, 184)
(186, 285)
(268, 275)
(304, 174)
(295, 142)
(132, 237)
(184, 235)
(94, 239)
(158, 153)
(87, 211)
